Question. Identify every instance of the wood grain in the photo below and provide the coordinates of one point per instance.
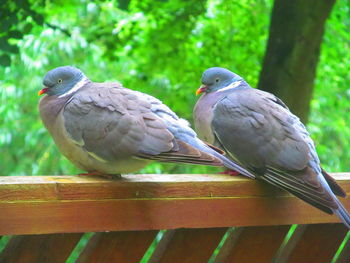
(187, 245)
(15, 188)
(54, 248)
(314, 244)
(125, 215)
(62, 204)
(246, 244)
(124, 246)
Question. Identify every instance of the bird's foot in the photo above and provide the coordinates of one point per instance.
(230, 172)
(108, 176)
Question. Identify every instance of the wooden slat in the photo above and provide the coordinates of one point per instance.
(30, 188)
(246, 244)
(64, 204)
(129, 215)
(187, 245)
(286, 249)
(127, 246)
(314, 244)
(344, 256)
(54, 248)
(15, 188)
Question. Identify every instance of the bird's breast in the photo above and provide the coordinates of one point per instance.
(203, 117)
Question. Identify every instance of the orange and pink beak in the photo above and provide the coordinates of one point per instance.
(42, 91)
(202, 89)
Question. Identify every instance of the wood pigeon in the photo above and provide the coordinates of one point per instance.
(104, 128)
(258, 131)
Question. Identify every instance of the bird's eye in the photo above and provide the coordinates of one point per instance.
(217, 80)
(59, 80)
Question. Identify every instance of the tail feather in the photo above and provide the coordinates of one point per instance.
(227, 162)
(233, 166)
(216, 148)
(337, 190)
(184, 153)
(342, 213)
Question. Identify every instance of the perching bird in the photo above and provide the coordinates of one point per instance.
(258, 131)
(104, 128)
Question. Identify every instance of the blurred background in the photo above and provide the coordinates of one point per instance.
(161, 48)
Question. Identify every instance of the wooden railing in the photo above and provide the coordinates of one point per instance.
(47, 216)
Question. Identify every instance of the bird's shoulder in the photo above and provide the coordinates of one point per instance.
(108, 119)
(252, 99)
(260, 106)
(269, 122)
(110, 97)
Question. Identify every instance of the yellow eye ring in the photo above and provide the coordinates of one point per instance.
(59, 80)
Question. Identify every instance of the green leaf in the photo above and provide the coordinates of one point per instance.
(39, 19)
(13, 49)
(5, 24)
(27, 28)
(5, 60)
(4, 45)
(15, 34)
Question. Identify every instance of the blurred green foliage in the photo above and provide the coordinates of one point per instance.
(17, 19)
(161, 48)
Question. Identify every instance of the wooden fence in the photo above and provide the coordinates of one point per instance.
(164, 218)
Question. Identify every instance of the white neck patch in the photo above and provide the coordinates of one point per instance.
(77, 86)
(231, 86)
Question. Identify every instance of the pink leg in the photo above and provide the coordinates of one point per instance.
(230, 172)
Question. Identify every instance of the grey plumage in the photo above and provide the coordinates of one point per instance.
(106, 128)
(258, 131)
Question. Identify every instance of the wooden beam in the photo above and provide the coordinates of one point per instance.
(187, 245)
(123, 246)
(26, 188)
(246, 244)
(61, 204)
(314, 243)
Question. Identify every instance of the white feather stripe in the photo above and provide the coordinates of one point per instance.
(77, 86)
(231, 86)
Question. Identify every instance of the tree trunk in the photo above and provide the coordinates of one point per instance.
(293, 50)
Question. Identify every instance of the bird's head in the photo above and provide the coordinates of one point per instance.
(61, 80)
(214, 79)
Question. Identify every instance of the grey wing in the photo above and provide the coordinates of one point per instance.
(115, 123)
(110, 123)
(182, 132)
(261, 133)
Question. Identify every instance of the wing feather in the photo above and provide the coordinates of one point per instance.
(111, 123)
(258, 131)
